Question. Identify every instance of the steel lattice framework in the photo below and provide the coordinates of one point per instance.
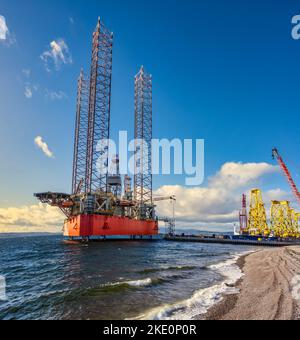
(257, 224)
(294, 222)
(81, 128)
(281, 219)
(143, 138)
(99, 110)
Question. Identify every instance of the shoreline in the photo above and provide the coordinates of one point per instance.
(228, 301)
(271, 279)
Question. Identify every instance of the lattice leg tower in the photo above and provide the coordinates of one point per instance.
(81, 135)
(99, 110)
(143, 138)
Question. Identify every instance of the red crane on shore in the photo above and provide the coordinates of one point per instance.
(287, 174)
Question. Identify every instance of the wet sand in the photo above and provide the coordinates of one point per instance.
(269, 289)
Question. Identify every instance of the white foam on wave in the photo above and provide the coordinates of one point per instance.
(133, 283)
(202, 299)
(2, 288)
(139, 283)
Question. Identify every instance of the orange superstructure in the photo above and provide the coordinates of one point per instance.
(99, 225)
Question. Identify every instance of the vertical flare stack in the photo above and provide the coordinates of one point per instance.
(244, 215)
(143, 138)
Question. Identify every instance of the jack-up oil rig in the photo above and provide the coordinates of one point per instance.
(98, 205)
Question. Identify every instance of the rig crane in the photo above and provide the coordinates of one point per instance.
(164, 198)
(285, 170)
(170, 223)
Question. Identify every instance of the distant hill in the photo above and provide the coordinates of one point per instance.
(22, 235)
(200, 232)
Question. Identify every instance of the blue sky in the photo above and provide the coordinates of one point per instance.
(225, 71)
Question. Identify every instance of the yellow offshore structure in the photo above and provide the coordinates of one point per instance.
(257, 225)
(284, 222)
(282, 219)
(295, 223)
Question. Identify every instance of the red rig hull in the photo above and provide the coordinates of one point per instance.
(83, 226)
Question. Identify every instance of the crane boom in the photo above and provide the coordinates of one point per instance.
(287, 173)
(164, 198)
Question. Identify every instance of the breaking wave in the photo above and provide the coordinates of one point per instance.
(164, 269)
(203, 299)
(123, 285)
(140, 283)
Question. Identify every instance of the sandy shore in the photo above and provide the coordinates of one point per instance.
(269, 290)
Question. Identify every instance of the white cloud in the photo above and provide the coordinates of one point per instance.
(218, 204)
(29, 86)
(43, 146)
(57, 55)
(28, 92)
(6, 37)
(26, 72)
(211, 208)
(234, 175)
(3, 28)
(56, 95)
(34, 218)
